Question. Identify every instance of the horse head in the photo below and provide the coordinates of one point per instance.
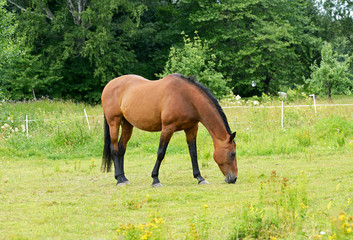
(225, 156)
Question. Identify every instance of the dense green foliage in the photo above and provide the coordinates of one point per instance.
(71, 49)
(332, 75)
(193, 59)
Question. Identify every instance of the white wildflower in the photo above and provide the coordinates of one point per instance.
(256, 103)
(23, 128)
(237, 98)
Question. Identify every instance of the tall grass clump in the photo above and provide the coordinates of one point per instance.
(284, 209)
(56, 130)
(282, 202)
(259, 131)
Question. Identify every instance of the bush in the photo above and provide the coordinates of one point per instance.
(195, 59)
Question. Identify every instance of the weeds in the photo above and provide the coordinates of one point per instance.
(136, 203)
(304, 138)
(342, 227)
(283, 208)
(154, 229)
(282, 202)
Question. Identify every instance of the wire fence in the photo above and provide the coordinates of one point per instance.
(283, 117)
(86, 117)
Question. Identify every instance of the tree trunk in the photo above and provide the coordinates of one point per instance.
(267, 83)
(329, 90)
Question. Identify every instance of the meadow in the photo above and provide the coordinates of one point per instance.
(293, 183)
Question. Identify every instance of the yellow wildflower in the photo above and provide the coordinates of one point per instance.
(342, 217)
(151, 225)
(303, 206)
(333, 237)
(146, 235)
(141, 226)
(338, 186)
(329, 205)
(157, 220)
(251, 208)
(349, 230)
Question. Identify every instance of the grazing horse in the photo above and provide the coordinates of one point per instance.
(171, 104)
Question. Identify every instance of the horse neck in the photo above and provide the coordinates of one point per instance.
(212, 120)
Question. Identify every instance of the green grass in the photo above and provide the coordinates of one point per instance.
(293, 183)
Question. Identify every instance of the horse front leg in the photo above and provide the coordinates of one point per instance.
(191, 140)
(166, 134)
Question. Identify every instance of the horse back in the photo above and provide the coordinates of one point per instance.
(149, 105)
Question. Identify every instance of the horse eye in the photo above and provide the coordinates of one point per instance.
(232, 154)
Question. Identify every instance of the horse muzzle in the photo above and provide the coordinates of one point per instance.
(230, 178)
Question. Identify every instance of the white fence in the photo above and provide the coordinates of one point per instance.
(27, 120)
(86, 116)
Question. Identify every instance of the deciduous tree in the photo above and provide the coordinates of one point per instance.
(332, 76)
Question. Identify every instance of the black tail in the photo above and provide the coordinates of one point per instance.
(107, 153)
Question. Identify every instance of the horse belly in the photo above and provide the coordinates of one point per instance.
(144, 115)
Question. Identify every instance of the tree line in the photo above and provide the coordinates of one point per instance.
(71, 48)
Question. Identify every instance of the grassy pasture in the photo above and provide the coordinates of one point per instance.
(294, 183)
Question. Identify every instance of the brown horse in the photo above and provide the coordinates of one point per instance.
(171, 104)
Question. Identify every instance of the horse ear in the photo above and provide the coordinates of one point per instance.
(232, 136)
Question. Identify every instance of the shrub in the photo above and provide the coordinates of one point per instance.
(195, 59)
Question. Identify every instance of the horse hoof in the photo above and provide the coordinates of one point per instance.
(122, 184)
(157, 185)
(203, 182)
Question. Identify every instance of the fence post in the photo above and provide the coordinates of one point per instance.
(27, 125)
(89, 127)
(313, 96)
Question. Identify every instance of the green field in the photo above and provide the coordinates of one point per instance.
(293, 183)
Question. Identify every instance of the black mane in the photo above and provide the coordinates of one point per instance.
(192, 80)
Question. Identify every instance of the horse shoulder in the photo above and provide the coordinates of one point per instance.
(178, 106)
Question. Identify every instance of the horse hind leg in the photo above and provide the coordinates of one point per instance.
(117, 148)
(126, 131)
